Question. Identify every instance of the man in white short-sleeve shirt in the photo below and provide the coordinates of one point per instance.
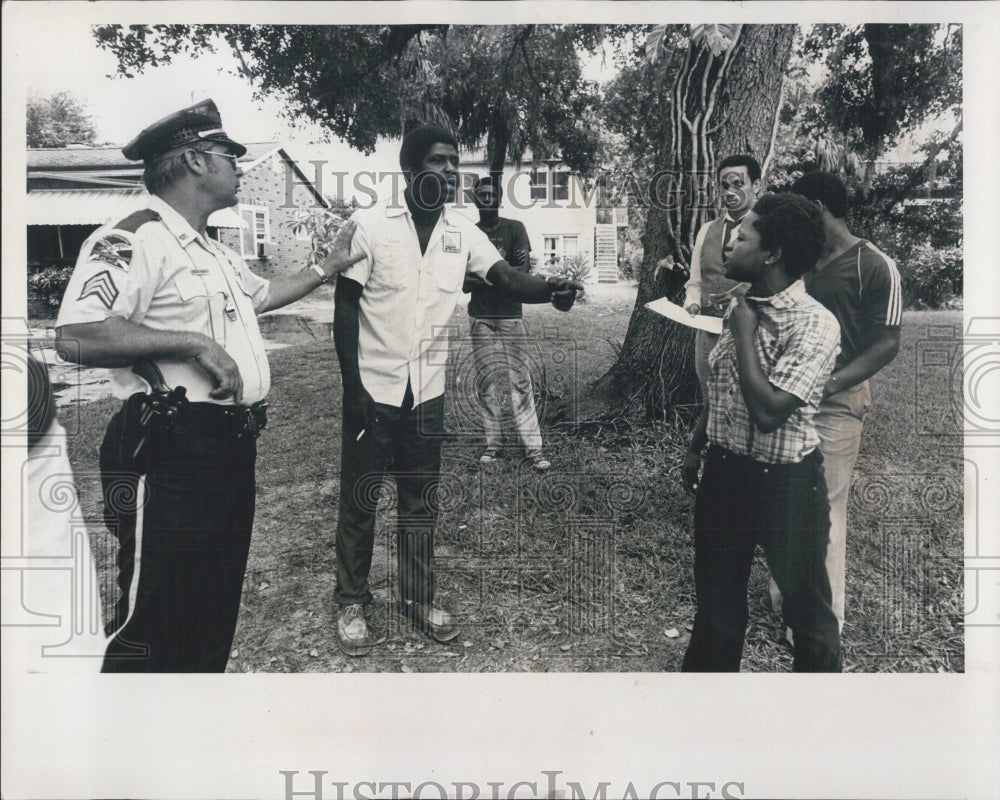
(391, 334)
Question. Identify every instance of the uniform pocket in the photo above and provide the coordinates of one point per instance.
(449, 272)
(389, 269)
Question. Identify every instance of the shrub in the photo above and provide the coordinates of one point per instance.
(576, 267)
(932, 276)
(322, 225)
(628, 269)
(47, 285)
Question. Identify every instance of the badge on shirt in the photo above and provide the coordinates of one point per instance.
(114, 250)
(451, 241)
(102, 286)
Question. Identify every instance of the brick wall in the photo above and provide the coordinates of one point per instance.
(266, 185)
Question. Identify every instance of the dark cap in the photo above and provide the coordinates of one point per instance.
(198, 123)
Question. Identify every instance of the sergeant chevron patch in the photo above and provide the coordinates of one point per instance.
(102, 286)
(114, 249)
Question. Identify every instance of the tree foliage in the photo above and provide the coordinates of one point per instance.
(510, 88)
(884, 81)
(57, 120)
(881, 83)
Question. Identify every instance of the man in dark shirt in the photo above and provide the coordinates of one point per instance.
(499, 339)
(861, 286)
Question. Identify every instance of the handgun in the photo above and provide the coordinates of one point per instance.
(161, 407)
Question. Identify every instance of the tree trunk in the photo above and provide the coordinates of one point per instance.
(719, 105)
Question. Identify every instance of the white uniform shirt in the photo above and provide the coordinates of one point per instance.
(409, 298)
(167, 277)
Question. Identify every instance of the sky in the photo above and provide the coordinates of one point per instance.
(120, 107)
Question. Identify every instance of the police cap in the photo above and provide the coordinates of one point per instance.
(200, 122)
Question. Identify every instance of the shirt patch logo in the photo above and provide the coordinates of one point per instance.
(451, 241)
(102, 286)
(114, 250)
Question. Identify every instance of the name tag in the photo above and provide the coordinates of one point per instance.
(451, 241)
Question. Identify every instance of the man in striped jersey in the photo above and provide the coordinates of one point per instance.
(860, 285)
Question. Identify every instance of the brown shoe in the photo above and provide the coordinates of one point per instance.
(352, 630)
(435, 622)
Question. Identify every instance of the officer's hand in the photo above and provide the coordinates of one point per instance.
(359, 410)
(694, 309)
(743, 318)
(563, 292)
(520, 258)
(339, 259)
(223, 371)
(689, 472)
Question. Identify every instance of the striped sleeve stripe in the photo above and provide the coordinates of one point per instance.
(894, 308)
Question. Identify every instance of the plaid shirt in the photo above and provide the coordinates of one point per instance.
(796, 342)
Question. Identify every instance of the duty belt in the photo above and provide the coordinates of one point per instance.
(243, 422)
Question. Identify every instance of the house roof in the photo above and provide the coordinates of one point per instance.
(107, 166)
(98, 206)
(110, 157)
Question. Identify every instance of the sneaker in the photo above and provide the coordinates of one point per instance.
(435, 622)
(539, 462)
(352, 630)
(490, 454)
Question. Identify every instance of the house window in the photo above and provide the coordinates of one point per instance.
(256, 236)
(559, 246)
(560, 185)
(539, 183)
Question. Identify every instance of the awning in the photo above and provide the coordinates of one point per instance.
(98, 206)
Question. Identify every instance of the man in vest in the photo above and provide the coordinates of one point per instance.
(708, 289)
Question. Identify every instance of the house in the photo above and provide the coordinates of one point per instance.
(563, 214)
(74, 190)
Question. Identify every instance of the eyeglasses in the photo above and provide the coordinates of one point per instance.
(221, 155)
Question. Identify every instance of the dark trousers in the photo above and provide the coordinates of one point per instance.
(784, 508)
(190, 546)
(404, 443)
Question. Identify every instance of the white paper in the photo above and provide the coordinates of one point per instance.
(678, 314)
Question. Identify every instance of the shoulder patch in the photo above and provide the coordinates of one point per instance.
(137, 219)
(113, 249)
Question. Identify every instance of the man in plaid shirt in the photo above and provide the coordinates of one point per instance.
(763, 477)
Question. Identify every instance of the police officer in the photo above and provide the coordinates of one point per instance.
(154, 289)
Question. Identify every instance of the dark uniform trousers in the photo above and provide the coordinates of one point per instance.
(405, 442)
(784, 508)
(192, 546)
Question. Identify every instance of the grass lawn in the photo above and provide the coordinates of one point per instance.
(589, 567)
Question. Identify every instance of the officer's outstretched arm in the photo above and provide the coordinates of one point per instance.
(116, 342)
(282, 291)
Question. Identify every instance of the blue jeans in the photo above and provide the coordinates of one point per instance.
(404, 443)
(783, 507)
(501, 351)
